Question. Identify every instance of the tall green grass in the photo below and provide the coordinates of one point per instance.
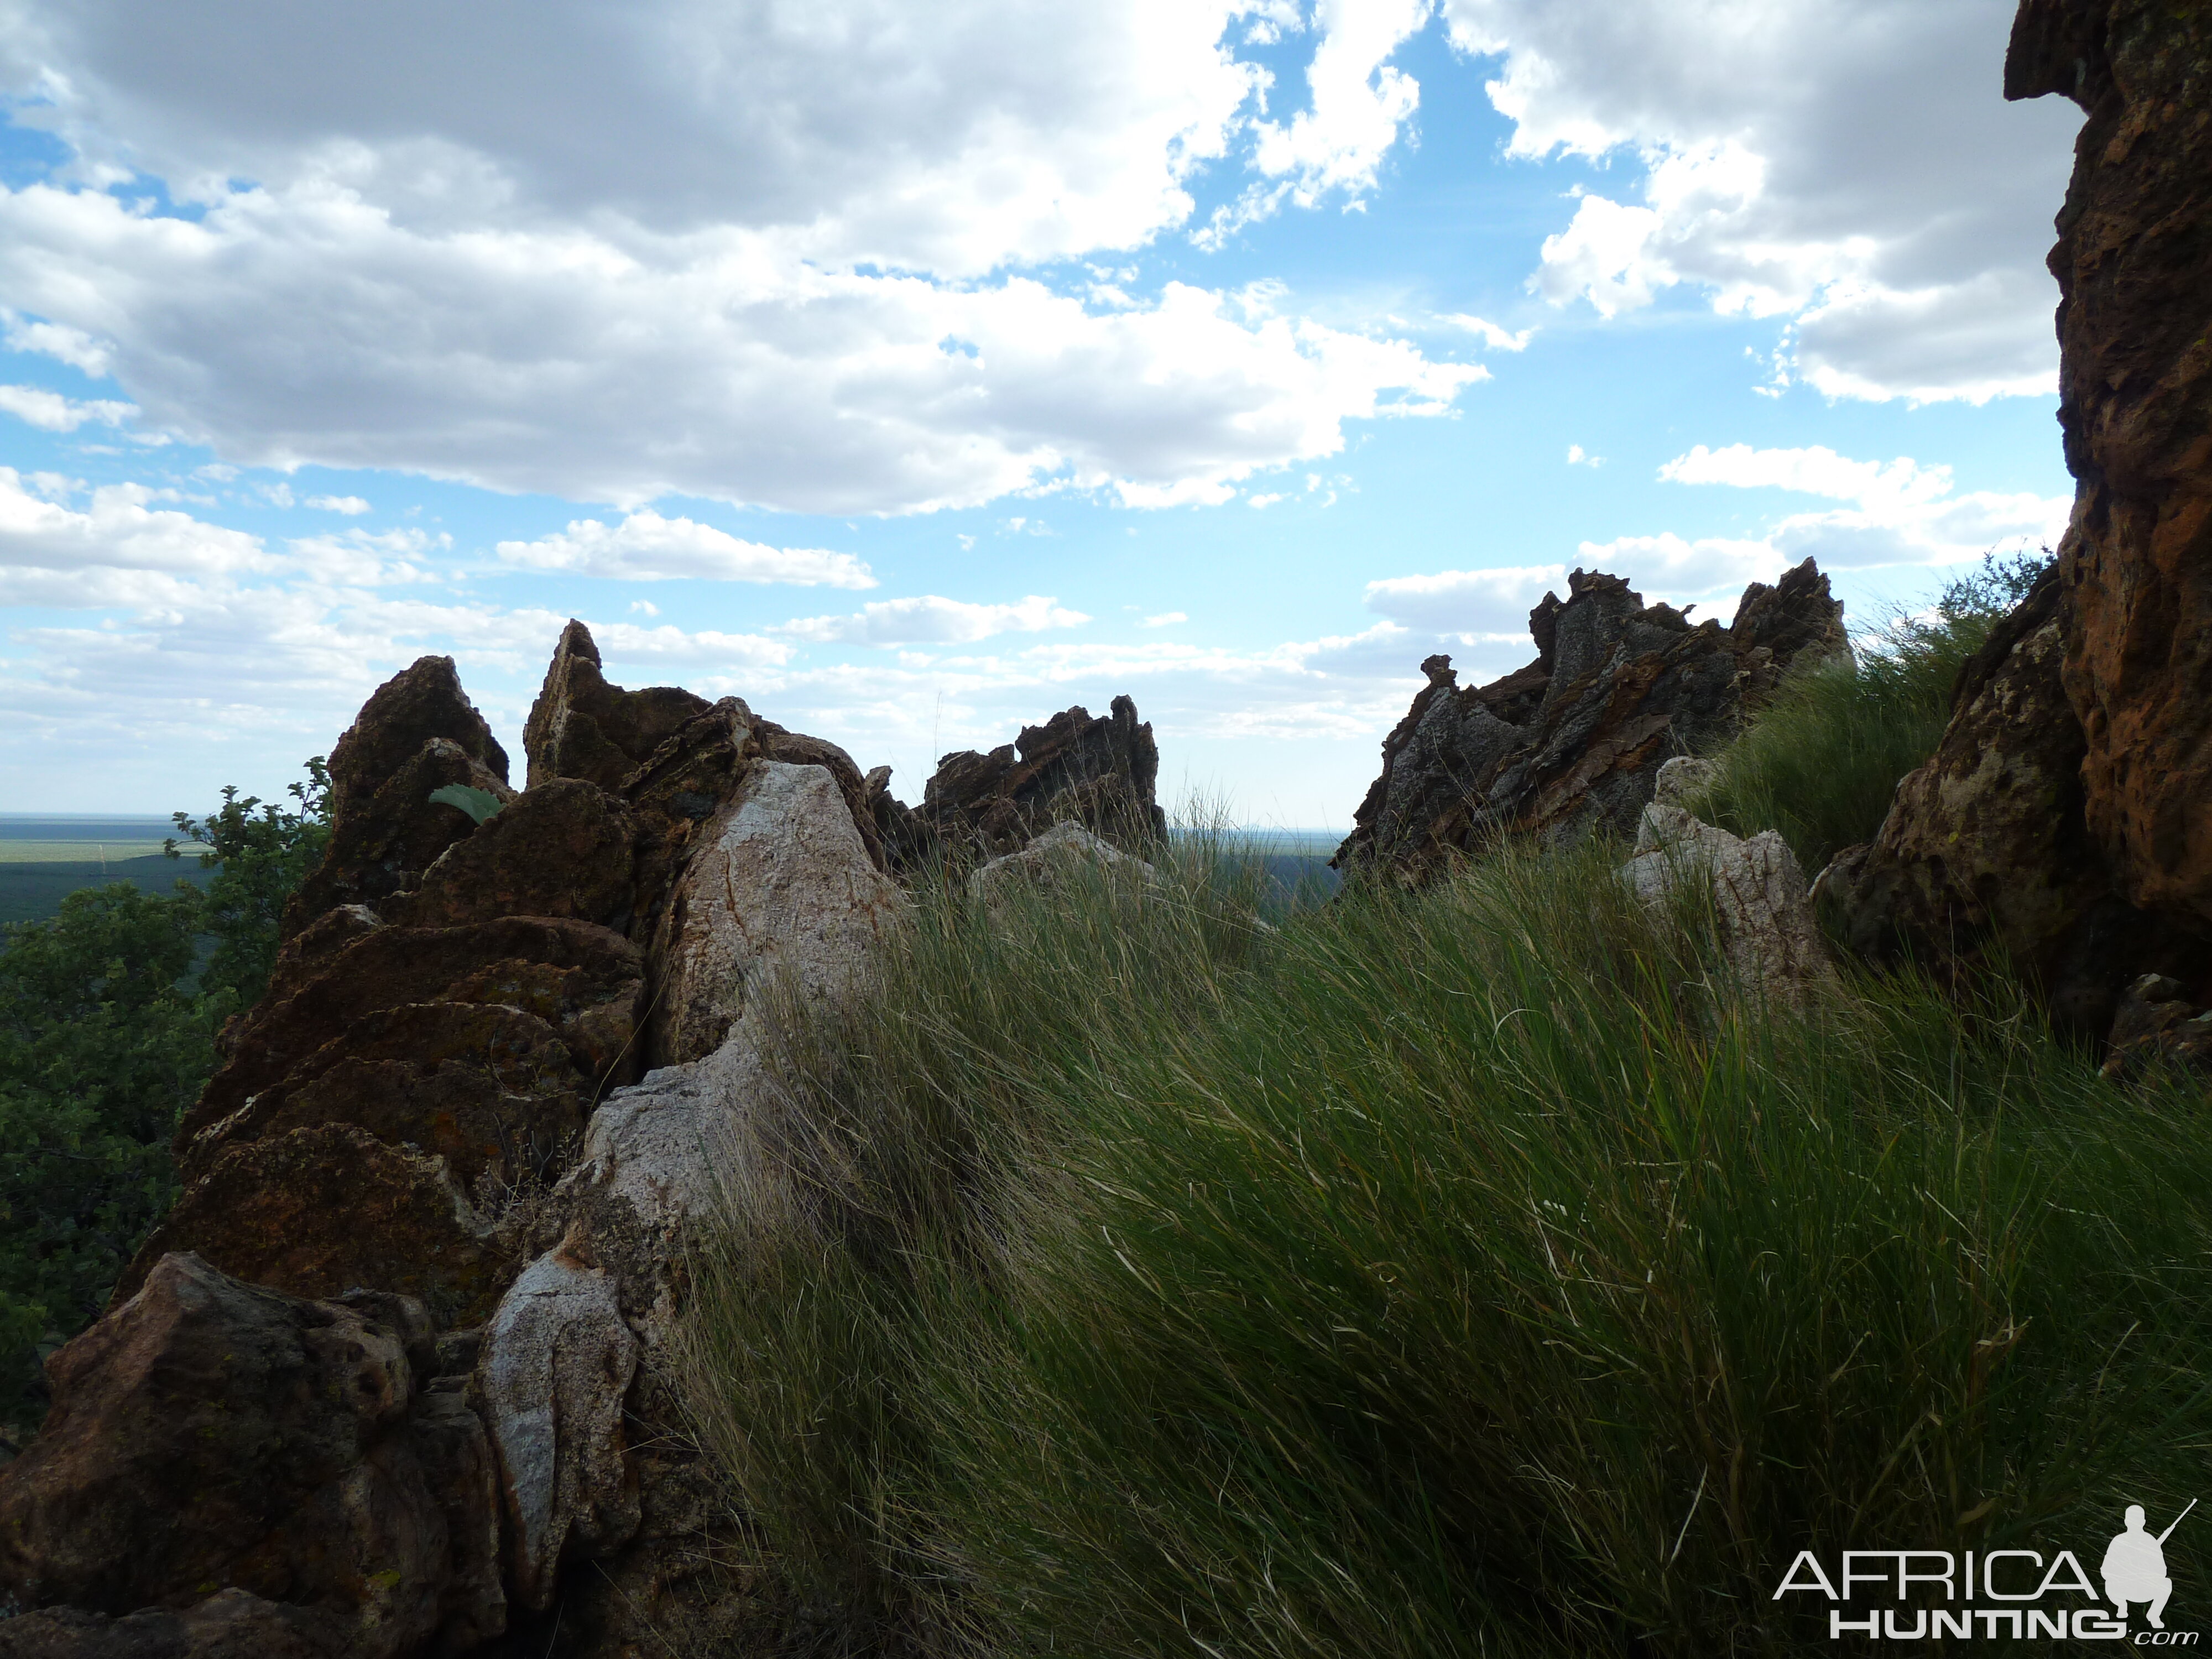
(1824, 758)
(1465, 1272)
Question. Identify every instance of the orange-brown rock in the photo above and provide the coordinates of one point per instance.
(328, 1209)
(235, 1471)
(580, 979)
(417, 732)
(562, 848)
(489, 1088)
(2067, 816)
(581, 727)
(2133, 264)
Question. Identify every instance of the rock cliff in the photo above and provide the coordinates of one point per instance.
(1575, 741)
(396, 1363)
(2065, 815)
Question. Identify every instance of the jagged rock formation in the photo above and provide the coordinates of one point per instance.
(1574, 741)
(1102, 773)
(2068, 813)
(397, 1361)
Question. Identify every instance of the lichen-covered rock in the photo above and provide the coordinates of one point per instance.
(1761, 905)
(780, 884)
(2134, 264)
(322, 1210)
(557, 1360)
(1574, 741)
(581, 727)
(211, 1435)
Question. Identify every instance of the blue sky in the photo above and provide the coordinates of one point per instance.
(916, 376)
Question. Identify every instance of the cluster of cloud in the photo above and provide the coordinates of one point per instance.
(420, 238)
(1824, 162)
(646, 547)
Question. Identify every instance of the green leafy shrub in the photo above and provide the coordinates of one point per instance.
(261, 858)
(1824, 758)
(107, 1017)
(1468, 1271)
(100, 1050)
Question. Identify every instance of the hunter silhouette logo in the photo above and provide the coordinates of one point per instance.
(2001, 1594)
(2135, 1567)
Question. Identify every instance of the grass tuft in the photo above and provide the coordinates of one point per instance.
(1464, 1271)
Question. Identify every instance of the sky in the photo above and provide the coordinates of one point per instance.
(915, 373)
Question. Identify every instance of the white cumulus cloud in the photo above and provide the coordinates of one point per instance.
(646, 547)
(52, 412)
(1823, 161)
(930, 620)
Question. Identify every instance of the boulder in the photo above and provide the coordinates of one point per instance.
(1102, 774)
(1573, 741)
(1987, 840)
(581, 727)
(490, 1089)
(321, 1210)
(264, 1470)
(1761, 905)
(557, 1360)
(382, 840)
(2157, 1026)
(1051, 857)
(780, 884)
(2066, 818)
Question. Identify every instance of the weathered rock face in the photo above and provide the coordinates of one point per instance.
(212, 1434)
(2134, 264)
(1760, 904)
(583, 727)
(780, 884)
(417, 732)
(2067, 816)
(1574, 741)
(1102, 773)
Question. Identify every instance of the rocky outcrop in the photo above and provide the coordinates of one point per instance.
(428, 1154)
(418, 732)
(1101, 773)
(276, 1474)
(1574, 741)
(583, 727)
(2134, 264)
(1762, 911)
(2067, 816)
